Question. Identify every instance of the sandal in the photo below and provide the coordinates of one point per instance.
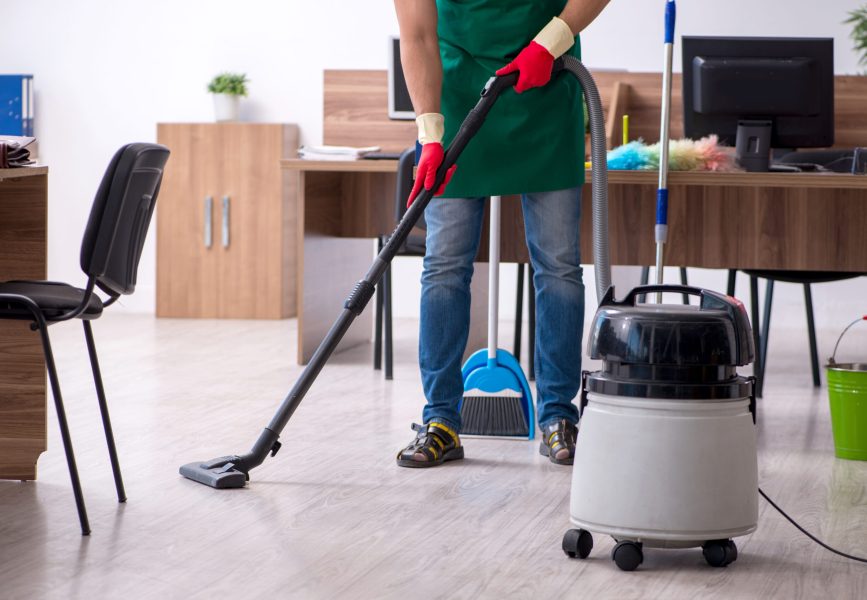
(558, 442)
(433, 445)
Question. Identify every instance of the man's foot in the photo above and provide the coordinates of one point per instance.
(558, 442)
(434, 444)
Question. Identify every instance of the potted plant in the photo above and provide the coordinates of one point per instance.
(858, 20)
(227, 89)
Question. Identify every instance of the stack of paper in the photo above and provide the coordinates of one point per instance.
(335, 152)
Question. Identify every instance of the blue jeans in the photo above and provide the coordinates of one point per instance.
(454, 225)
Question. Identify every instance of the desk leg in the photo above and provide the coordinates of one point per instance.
(22, 401)
(330, 269)
(334, 252)
(23, 215)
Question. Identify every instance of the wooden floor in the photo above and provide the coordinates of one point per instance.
(333, 517)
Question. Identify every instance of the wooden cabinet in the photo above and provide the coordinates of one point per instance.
(227, 222)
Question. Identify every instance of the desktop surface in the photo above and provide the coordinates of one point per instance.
(341, 166)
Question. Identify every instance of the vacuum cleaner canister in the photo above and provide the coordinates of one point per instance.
(666, 454)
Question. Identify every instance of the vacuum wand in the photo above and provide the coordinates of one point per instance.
(233, 471)
(661, 230)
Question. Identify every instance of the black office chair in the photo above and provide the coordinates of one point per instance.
(415, 246)
(836, 160)
(761, 328)
(110, 255)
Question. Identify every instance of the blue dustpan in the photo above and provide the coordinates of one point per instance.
(497, 400)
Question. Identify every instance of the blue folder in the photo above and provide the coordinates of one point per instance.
(16, 105)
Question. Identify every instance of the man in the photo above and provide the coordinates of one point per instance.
(532, 143)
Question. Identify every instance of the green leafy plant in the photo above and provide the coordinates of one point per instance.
(234, 84)
(858, 20)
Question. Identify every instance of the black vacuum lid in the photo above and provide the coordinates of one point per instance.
(717, 332)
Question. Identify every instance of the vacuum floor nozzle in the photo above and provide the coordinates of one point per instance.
(219, 473)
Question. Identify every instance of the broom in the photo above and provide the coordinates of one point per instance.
(497, 399)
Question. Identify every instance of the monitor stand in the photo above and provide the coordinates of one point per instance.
(753, 145)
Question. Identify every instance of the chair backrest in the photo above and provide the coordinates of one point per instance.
(121, 214)
(405, 167)
(837, 160)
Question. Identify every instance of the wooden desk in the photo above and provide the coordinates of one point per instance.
(23, 224)
(804, 221)
(791, 221)
(341, 206)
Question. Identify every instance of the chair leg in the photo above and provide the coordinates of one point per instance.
(388, 317)
(103, 409)
(64, 427)
(811, 329)
(531, 323)
(377, 331)
(519, 313)
(754, 309)
(766, 324)
(645, 278)
(684, 281)
(645, 275)
(730, 287)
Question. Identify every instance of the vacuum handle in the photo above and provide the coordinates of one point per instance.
(644, 289)
(710, 300)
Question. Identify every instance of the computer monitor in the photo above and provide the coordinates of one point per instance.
(399, 102)
(759, 93)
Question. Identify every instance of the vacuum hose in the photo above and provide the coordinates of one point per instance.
(599, 174)
(233, 470)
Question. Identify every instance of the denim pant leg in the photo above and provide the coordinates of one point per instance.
(453, 230)
(552, 224)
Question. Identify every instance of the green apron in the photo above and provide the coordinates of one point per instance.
(530, 142)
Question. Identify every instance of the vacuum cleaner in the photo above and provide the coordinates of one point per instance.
(233, 471)
(666, 454)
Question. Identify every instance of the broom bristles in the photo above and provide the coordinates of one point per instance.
(500, 414)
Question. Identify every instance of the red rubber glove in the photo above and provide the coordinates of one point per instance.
(432, 155)
(533, 64)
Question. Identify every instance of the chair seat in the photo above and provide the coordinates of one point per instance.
(415, 244)
(802, 276)
(52, 298)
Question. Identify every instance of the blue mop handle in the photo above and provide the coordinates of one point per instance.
(662, 193)
(670, 15)
(661, 230)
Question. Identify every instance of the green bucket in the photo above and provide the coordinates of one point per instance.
(847, 390)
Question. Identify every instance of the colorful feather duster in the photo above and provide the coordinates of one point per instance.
(705, 154)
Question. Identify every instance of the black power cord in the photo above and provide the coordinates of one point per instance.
(807, 533)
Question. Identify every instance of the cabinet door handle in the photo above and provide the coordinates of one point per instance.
(209, 214)
(226, 217)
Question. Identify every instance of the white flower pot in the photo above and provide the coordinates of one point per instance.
(226, 107)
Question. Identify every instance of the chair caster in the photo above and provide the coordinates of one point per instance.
(627, 555)
(720, 553)
(577, 543)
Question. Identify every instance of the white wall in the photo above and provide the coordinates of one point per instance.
(107, 71)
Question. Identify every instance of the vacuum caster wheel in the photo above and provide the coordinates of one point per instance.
(577, 543)
(627, 555)
(720, 553)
